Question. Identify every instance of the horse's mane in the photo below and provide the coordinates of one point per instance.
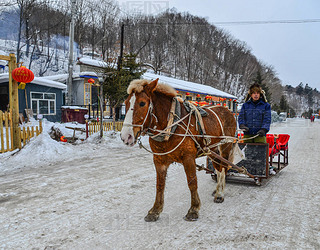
(138, 84)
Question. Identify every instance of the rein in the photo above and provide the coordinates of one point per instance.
(168, 152)
(205, 151)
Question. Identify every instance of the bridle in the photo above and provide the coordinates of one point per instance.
(144, 130)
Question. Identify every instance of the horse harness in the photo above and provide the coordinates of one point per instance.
(174, 118)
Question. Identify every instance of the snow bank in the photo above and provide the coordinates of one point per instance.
(43, 150)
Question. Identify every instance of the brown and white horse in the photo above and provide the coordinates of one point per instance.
(147, 109)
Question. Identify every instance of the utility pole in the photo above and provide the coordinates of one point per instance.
(119, 68)
(69, 99)
(121, 47)
(101, 109)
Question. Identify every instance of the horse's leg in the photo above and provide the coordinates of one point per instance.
(221, 180)
(225, 152)
(154, 212)
(190, 169)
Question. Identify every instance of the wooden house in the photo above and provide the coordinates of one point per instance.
(198, 93)
(41, 96)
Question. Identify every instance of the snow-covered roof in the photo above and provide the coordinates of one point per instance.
(48, 83)
(64, 77)
(88, 74)
(73, 107)
(58, 78)
(37, 80)
(182, 85)
(92, 62)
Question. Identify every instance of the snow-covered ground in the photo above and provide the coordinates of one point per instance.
(95, 194)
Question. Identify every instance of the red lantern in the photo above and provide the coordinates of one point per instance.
(187, 93)
(91, 81)
(22, 75)
(198, 95)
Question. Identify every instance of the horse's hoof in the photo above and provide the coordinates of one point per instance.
(192, 216)
(218, 199)
(151, 217)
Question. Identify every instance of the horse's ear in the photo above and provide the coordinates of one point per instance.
(149, 88)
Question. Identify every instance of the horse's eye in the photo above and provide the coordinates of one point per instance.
(142, 104)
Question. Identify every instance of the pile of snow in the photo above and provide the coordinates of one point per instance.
(43, 150)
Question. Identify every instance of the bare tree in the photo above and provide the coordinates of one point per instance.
(24, 9)
(107, 19)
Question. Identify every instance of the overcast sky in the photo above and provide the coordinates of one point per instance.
(293, 49)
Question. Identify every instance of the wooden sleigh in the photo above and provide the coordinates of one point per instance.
(262, 160)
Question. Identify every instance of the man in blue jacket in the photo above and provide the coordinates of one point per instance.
(255, 115)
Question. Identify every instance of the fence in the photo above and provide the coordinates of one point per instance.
(93, 127)
(6, 133)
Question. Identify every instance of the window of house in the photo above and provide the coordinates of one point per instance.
(43, 103)
(188, 97)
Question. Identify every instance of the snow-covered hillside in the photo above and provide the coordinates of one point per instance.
(43, 61)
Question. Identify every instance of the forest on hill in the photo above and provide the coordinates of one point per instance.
(176, 44)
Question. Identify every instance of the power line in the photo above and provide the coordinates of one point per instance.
(235, 23)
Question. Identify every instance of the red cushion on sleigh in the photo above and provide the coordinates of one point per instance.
(282, 141)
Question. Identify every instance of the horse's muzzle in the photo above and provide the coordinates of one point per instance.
(129, 140)
(127, 136)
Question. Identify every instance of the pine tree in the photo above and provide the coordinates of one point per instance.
(307, 89)
(300, 89)
(116, 82)
(259, 80)
(283, 106)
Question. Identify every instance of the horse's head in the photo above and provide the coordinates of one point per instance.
(138, 110)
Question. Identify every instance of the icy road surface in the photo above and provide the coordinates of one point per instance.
(95, 196)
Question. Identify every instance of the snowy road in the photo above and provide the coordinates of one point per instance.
(95, 196)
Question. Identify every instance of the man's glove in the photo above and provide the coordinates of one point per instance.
(244, 128)
(262, 132)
